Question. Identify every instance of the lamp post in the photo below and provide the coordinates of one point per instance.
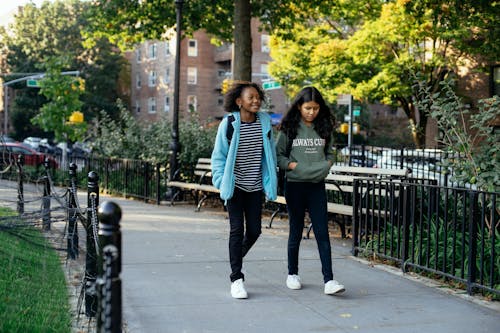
(175, 146)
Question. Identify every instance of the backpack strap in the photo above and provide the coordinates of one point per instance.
(230, 128)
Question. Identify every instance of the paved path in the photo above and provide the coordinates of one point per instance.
(175, 279)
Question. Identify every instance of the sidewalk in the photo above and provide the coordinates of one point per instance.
(175, 279)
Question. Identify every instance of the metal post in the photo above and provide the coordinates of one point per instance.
(91, 258)
(158, 180)
(6, 109)
(20, 188)
(349, 136)
(46, 204)
(72, 214)
(175, 145)
(472, 268)
(109, 317)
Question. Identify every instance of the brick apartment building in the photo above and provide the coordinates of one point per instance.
(202, 70)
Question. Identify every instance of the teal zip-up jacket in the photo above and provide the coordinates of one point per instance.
(308, 150)
(224, 157)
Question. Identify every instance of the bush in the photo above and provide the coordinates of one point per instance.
(469, 135)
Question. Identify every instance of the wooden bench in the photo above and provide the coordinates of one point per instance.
(339, 185)
(202, 189)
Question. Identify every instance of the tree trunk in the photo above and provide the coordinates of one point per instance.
(242, 54)
(417, 124)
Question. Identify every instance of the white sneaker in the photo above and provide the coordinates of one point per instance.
(333, 287)
(238, 289)
(293, 282)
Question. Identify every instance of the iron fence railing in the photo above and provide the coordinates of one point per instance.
(424, 163)
(127, 177)
(450, 232)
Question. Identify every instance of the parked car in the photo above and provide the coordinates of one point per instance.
(33, 141)
(6, 138)
(9, 151)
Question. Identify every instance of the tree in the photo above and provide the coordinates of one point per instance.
(63, 99)
(127, 22)
(54, 30)
(373, 51)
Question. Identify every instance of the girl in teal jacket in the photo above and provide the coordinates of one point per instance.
(243, 168)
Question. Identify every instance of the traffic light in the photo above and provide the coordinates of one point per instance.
(344, 128)
(226, 85)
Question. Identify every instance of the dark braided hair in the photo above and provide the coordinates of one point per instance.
(323, 123)
(235, 92)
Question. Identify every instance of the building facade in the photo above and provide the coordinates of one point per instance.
(203, 67)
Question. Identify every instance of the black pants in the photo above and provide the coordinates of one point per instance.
(245, 216)
(311, 197)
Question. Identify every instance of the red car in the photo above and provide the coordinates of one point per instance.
(9, 151)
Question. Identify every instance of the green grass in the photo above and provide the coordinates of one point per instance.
(33, 292)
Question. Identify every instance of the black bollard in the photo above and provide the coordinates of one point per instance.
(91, 258)
(72, 214)
(20, 188)
(109, 315)
(46, 203)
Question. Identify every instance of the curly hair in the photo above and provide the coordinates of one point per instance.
(235, 92)
(323, 123)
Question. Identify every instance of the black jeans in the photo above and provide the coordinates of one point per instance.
(311, 197)
(245, 216)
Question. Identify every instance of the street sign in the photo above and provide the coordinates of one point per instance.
(33, 83)
(344, 99)
(270, 85)
(356, 112)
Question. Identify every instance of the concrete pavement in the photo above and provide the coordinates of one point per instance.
(175, 279)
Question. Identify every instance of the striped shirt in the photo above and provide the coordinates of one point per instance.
(247, 169)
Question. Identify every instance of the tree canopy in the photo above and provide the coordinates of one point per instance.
(54, 31)
(374, 50)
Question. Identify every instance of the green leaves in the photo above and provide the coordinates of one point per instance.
(63, 95)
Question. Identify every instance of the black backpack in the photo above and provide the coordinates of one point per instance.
(230, 129)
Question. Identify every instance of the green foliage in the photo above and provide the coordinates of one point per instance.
(63, 96)
(126, 138)
(370, 49)
(468, 133)
(33, 291)
(196, 141)
(53, 30)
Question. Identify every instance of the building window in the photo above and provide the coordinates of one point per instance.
(264, 43)
(191, 101)
(152, 79)
(151, 105)
(167, 76)
(221, 73)
(192, 75)
(167, 49)
(220, 101)
(153, 51)
(138, 55)
(264, 72)
(167, 104)
(192, 48)
(138, 80)
(137, 107)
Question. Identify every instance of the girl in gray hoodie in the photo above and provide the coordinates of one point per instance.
(304, 151)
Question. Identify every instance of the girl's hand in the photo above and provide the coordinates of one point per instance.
(292, 165)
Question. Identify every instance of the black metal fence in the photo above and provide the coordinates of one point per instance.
(450, 232)
(126, 177)
(424, 163)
